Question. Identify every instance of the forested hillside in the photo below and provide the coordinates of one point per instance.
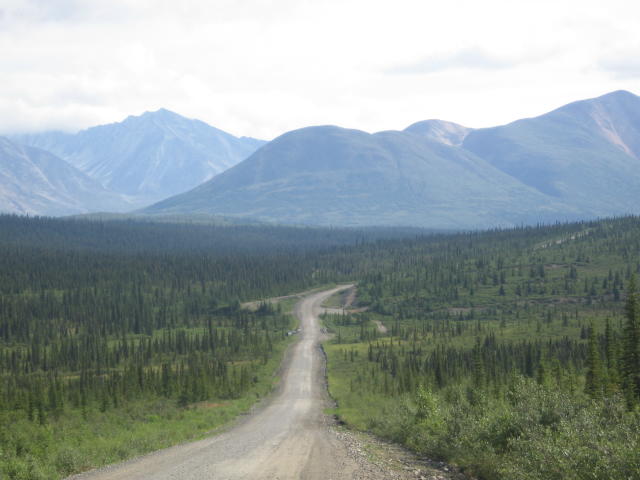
(118, 338)
(515, 354)
(501, 347)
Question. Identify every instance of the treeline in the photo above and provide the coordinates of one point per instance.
(148, 236)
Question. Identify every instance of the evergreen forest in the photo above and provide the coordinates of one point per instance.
(513, 354)
(510, 353)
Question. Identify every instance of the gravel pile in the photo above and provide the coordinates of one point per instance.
(382, 460)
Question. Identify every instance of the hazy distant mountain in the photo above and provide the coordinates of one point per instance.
(586, 154)
(333, 176)
(36, 182)
(440, 131)
(582, 160)
(148, 157)
(579, 161)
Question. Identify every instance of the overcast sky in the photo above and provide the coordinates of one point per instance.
(260, 68)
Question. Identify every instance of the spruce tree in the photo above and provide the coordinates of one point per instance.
(611, 356)
(631, 345)
(594, 378)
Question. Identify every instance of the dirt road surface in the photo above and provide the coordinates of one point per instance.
(287, 439)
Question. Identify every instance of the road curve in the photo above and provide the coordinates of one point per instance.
(287, 439)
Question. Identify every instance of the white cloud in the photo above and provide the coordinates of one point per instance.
(467, 59)
(260, 67)
(622, 64)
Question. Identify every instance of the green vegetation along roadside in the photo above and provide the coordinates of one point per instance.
(80, 439)
(511, 357)
(508, 352)
(151, 391)
(109, 349)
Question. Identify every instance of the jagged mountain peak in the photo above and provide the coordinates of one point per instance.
(162, 115)
(149, 156)
(162, 119)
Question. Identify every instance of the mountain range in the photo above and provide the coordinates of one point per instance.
(579, 161)
(334, 176)
(148, 157)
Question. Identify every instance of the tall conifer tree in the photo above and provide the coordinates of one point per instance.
(631, 345)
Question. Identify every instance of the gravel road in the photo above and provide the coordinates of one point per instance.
(290, 438)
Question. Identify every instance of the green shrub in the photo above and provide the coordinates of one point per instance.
(532, 432)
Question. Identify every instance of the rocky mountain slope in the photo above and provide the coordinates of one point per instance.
(36, 182)
(148, 157)
(586, 154)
